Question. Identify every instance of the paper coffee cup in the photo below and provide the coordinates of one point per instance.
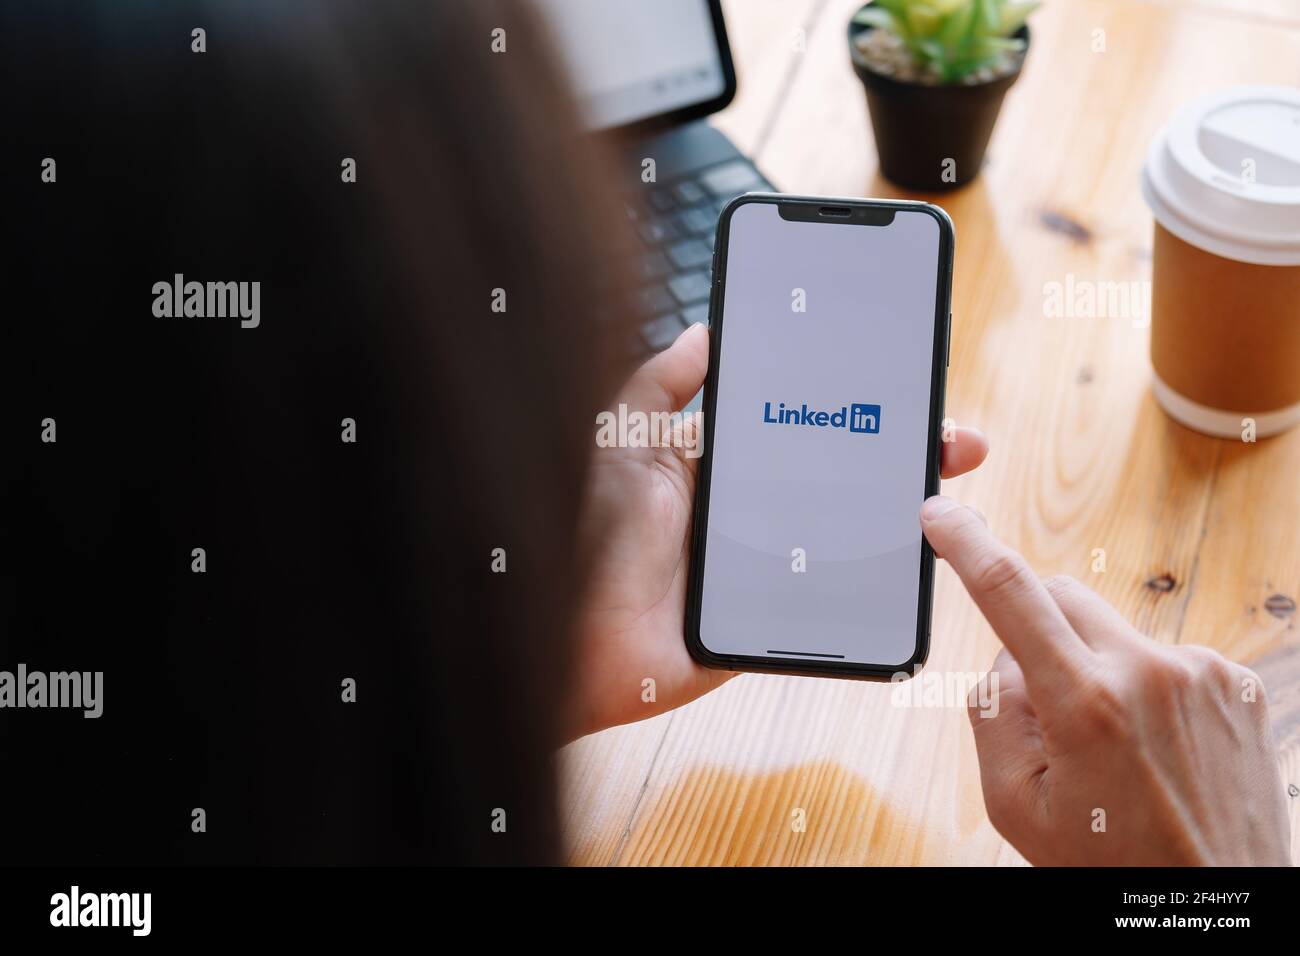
(1223, 182)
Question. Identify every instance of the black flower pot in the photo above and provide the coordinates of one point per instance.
(918, 127)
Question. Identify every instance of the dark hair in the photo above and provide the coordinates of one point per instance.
(326, 560)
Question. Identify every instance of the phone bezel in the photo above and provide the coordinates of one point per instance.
(938, 386)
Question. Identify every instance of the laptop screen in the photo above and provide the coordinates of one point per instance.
(628, 60)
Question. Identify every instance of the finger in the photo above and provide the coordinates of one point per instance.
(1092, 618)
(965, 452)
(670, 379)
(1010, 596)
(1002, 693)
(1009, 743)
(1000, 689)
(689, 437)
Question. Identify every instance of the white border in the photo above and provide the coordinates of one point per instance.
(1221, 424)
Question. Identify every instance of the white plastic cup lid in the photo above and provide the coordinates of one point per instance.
(1224, 175)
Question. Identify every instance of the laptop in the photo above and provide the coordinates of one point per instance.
(649, 72)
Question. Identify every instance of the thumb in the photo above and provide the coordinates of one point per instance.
(670, 379)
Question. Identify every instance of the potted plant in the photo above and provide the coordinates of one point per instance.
(935, 72)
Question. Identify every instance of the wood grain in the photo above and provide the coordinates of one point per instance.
(1199, 535)
(1285, 12)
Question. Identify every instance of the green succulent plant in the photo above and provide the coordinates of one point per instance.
(953, 38)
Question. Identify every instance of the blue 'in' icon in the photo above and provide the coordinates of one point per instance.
(864, 418)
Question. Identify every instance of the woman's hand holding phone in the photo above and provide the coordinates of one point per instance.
(638, 531)
(1107, 747)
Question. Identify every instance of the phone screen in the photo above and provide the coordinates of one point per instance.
(823, 417)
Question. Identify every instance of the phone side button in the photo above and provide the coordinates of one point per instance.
(947, 348)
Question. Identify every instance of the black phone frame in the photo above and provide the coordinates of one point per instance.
(864, 213)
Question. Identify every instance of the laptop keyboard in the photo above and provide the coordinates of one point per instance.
(675, 224)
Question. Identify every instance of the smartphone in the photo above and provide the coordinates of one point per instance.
(823, 410)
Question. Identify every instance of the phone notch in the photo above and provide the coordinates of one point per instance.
(849, 215)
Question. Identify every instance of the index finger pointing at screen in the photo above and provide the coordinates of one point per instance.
(1010, 596)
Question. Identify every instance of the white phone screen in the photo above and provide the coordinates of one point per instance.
(823, 415)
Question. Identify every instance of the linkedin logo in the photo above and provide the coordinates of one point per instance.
(857, 417)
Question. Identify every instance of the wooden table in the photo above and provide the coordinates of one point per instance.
(1201, 536)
